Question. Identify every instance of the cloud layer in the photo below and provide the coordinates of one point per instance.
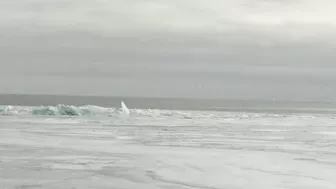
(283, 19)
(231, 48)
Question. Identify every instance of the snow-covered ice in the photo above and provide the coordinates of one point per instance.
(91, 147)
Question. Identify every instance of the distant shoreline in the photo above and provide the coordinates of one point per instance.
(273, 106)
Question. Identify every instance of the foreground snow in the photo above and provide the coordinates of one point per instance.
(168, 150)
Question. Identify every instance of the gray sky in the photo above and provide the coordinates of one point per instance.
(246, 49)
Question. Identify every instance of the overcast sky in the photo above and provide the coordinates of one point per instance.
(265, 49)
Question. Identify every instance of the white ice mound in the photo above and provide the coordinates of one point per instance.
(124, 108)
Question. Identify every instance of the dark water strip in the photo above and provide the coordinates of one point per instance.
(273, 106)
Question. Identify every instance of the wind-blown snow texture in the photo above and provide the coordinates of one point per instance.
(64, 146)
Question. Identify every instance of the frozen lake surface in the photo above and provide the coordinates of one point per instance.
(92, 147)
